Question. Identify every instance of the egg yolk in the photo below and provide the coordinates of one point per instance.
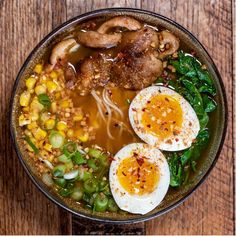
(137, 175)
(162, 116)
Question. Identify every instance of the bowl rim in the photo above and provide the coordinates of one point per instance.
(64, 25)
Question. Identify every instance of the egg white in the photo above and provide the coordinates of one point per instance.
(190, 125)
(139, 204)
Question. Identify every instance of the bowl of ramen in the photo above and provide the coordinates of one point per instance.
(118, 115)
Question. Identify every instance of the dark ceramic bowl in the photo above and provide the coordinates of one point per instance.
(217, 126)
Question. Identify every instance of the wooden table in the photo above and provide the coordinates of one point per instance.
(23, 209)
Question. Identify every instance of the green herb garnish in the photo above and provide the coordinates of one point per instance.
(44, 100)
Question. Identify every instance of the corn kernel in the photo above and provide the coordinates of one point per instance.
(70, 133)
(40, 144)
(23, 120)
(44, 154)
(32, 125)
(26, 109)
(38, 68)
(57, 95)
(84, 138)
(51, 86)
(36, 105)
(30, 83)
(50, 123)
(65, 104)
(40, 89)
(43, 79)
(61, 126)
(48, 147)
(62, 133)
(78, 118)
(34, 115)
(53, 75)
(25, 99)
(54, 107)
(39, 134)
(50, 158)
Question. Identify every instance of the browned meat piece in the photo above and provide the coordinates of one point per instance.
(139, 41)
(169, 43)
(136, 72)
(119, 21)
(137, 67)
(94, 72)
(94, 39)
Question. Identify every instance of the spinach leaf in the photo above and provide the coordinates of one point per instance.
(209, 104)
(176, 170)
(194, 152)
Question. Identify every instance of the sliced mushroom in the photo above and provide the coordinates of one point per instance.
(139, 41)
(119, 21)
(61, 49)
(169, 39)
(94, 39)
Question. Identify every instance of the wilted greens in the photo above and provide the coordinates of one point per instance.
(194, 83)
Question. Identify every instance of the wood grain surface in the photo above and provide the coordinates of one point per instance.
(23, 209)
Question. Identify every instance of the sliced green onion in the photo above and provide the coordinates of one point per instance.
(31, 144)
(58, 171)
(90, 186)
(77, 194)
(79, 158)
(64, 192)
(86, 175)
(69, 148)
(47, 179)
(60, 182)
(102, 185)
(44, 100)
(63, 158)
(86, 197)
(94, 164)
(69, 165)
(112, 206)
(94, 153)
(72, 174)
(56, 139)
(101, 202)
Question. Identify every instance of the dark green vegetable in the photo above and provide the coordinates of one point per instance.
(44, 100)
(178, 162)
(100, 203)
(31, 144)
(208, 103)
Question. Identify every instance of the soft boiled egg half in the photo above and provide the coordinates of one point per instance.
(163, 118)
(139, 178)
